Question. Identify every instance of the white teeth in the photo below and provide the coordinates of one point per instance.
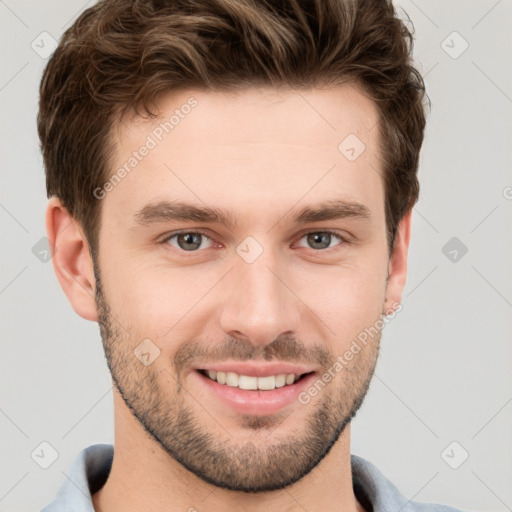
(266, 382)
(290, 378)
(280, 380)
(248, 382)
(245, 382)
(232, 379)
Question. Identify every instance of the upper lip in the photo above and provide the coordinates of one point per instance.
(255, 369)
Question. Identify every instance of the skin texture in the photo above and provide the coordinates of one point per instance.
(261, 154)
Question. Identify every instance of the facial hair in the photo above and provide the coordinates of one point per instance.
(261, 460)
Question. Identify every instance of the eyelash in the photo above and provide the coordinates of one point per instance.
(343, 240)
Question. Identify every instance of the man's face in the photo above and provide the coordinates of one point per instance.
(267, 289)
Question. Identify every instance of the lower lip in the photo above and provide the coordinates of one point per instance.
(256, 402)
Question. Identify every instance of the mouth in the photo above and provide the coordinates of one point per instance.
(250, 394)
(251, 382)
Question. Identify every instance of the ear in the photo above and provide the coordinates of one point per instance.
(71, 259)
(397, 267)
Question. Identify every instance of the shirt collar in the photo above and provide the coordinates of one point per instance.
(91, 468)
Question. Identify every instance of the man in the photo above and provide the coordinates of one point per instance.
(231, 186)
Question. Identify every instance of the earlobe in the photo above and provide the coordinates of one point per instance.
(71, 259)
(397, 267)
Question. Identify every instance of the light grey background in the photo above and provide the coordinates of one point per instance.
(444, 372)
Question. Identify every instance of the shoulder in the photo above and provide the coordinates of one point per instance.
(87, 474)
(378, 494)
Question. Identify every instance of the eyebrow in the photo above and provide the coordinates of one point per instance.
(168, 211)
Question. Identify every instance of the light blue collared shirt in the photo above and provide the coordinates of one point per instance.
(91, 468)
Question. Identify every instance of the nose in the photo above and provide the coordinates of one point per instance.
(259, 302)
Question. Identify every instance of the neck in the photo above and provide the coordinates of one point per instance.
(143, 476)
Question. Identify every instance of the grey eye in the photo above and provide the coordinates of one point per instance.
(320, 240)
(188, 241)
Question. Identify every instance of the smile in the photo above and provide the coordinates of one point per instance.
(248, 382)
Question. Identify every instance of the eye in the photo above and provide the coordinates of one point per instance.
(188, 241)
(192, 241)
(321, 240)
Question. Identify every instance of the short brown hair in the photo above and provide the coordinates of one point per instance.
(120, 54)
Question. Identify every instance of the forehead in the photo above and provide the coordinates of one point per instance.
(258, 114)
(255, 149)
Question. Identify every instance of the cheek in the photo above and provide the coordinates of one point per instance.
(132, 295)
(347, 297)
(158, 301)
